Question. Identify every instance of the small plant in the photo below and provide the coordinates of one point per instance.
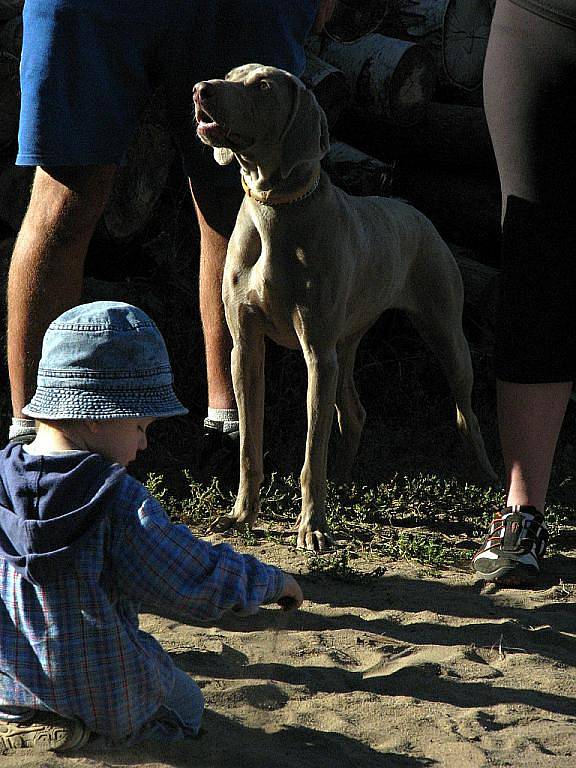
(155, 483)
(204, 503)
(336, 566)
(421, 547)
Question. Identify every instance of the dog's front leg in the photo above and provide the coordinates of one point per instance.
(322, 365)
(248, 380)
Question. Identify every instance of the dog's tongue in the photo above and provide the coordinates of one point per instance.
(211, 130)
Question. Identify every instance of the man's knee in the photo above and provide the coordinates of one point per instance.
(67, 202)
(217, 208)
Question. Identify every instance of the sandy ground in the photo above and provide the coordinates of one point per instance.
(409, 668)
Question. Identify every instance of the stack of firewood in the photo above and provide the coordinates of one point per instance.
(400, 81)
(409, 119)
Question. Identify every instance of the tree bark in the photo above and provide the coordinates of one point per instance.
(356, 172)
(328, 85)
(481, 286)
(15, 186)
(465, 207)
(10, 46)
(354, 18)
(450, 134)
(391, 79)
(10, 8)
(454, 31)
(141, 179)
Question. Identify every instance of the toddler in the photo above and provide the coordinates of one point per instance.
(83, 545)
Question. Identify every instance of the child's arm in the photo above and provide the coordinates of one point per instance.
(164, 566)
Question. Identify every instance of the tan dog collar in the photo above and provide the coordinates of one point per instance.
(268, 197)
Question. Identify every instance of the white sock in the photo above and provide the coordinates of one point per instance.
(20, 427)
(226, 417)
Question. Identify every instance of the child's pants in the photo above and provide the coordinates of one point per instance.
(177, 719)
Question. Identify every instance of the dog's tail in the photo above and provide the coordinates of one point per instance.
(470, 431)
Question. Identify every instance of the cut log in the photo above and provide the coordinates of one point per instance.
(354, 18)
(449, 134)
(391, 79)
(11, 35)
(6, 248)
(328, 85)
(454, 31)
(137, 188)
(15, 185)
(465, 207)
(481, 286)
(141, 179)
(10, 46)
(9, 99)
(356, 172)
(103, 290)
(480, 280)
(10, 8)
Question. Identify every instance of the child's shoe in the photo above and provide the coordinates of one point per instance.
(45, 732)
(513, 548)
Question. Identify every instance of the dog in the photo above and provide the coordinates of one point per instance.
(313, 267)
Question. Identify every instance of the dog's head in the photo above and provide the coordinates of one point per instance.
(264, 116)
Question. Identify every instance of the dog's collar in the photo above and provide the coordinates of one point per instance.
(267, 197)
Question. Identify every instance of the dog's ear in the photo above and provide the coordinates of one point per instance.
(223, 155)
(306, 136)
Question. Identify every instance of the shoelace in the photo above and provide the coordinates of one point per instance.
(514, 532)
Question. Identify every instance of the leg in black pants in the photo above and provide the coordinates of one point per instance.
(530, 102)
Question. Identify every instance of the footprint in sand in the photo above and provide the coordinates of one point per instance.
(461, 662)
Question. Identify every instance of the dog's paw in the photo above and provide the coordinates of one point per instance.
(227, 523)
(314, 540)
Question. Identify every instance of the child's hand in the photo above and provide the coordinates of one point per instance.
(291, 597)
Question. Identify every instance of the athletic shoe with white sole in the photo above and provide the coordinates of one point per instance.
(45, 732)
(513, 548)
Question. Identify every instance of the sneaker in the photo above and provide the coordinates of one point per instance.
(220, 455)
(45, 732)
(513, 548)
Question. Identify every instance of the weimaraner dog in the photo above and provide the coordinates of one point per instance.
(310, 266)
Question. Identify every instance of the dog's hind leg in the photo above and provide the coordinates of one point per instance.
(440, 325)
(248, 380)
(350, 412)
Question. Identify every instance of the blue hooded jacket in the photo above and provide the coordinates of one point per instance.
(49, 505)
(83, 548)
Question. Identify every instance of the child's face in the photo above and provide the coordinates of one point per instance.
(119, 439)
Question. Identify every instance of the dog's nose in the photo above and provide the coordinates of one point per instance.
(202, 91)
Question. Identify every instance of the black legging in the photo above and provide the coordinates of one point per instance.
(530, 99)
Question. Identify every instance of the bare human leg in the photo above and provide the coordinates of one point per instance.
(216, 218)
(529, 418)
(47, 265)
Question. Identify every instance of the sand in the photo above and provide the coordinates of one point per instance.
(409, 668)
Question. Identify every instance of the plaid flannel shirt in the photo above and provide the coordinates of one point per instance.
(73, 644)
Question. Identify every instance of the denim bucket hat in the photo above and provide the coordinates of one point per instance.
(104, 360)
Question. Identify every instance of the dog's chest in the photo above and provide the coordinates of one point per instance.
(275, 277)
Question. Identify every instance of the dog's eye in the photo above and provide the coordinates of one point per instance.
(264, 85)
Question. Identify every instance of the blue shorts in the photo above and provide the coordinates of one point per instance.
(89, 67)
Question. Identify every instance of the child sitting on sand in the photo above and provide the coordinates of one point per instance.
(83, 545)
